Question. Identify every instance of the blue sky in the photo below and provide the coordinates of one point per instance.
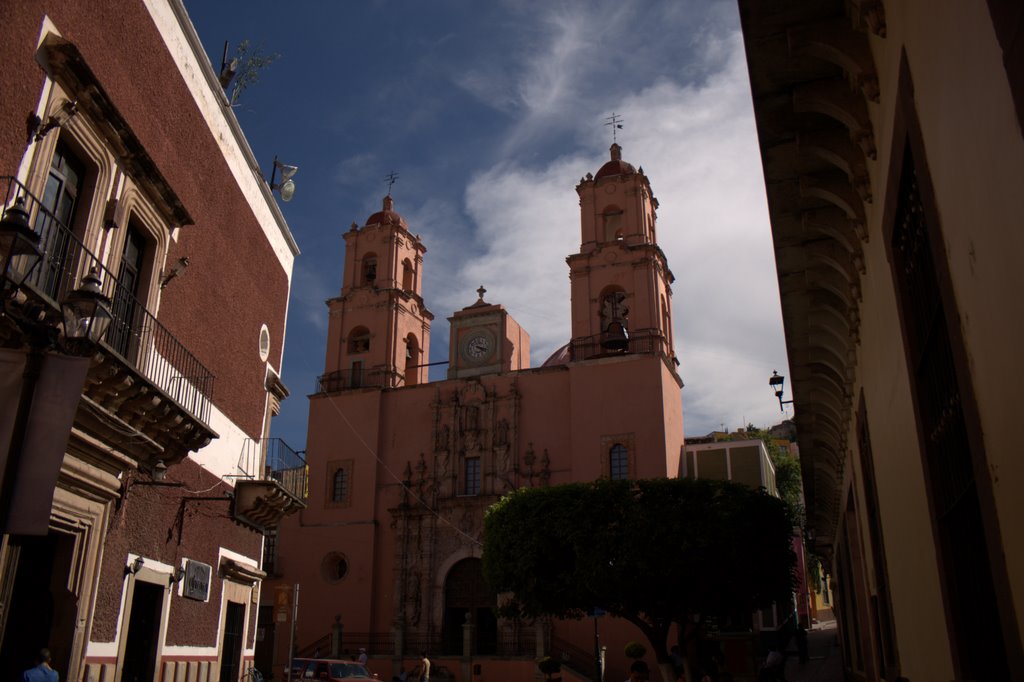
(490, 113)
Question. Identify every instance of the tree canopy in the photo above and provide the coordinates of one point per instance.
(654, 552)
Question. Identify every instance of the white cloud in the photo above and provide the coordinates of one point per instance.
(698, 145)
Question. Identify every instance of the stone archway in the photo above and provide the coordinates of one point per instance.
(467, 594)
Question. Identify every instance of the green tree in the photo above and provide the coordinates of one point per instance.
(654, 552)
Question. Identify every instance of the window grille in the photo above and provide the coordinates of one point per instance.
(340, 489)
(472, 482)
(947, 449)
(618, 462)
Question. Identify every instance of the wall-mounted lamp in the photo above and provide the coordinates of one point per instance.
(778, 382)
(135, 566)
(86, 311)
(176, 577)
(287, 186)
(38, 130)
(19, 247)
(159, 471)
(179, 268)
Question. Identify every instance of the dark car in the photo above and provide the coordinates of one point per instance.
(333, 669)
(298, 665)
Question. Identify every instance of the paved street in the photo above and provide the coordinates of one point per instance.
(825, 663)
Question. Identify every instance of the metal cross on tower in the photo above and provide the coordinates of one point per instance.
(615, 121)
(391, 177)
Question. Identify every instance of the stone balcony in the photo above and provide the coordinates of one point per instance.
(145, 394)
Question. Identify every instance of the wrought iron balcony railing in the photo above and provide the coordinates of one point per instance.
(134, 335)
(639, 341)
(282, 464)
(344, 379)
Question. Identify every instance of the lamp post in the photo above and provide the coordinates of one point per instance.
(86, 316)
(287, 186)
(777, 383)
(19, 248)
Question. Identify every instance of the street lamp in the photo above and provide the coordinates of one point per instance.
(778, 382)
(86, 311)
(19, 247)
(86, 318)
(287, 186)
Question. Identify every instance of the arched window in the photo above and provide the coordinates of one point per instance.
(613, 307)
(359, 340)
(369, 269)
(408, 276)
(412, 360)
(611, 219)
(618, 462)
(339, 488)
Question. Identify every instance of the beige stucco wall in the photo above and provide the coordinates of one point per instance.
(975, 158)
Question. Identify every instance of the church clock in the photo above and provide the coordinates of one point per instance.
(477, 345)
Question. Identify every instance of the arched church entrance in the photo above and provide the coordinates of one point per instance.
(466, 594)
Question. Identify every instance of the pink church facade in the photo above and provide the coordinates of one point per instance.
(402, 469)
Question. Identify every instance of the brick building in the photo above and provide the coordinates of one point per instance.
(137, 485)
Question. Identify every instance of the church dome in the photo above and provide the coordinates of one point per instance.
(616, 166)
(387, 216)
(562, 356)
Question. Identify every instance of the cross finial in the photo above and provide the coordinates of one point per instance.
(391, 177)
(481, 291)
(615, 121)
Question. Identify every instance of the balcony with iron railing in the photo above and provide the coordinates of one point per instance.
(639, 341)
(143, 377)
(271, 482)
(348, 379)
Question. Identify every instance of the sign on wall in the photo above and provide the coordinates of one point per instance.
(197, 580)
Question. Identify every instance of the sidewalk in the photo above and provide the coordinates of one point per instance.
(825, 663)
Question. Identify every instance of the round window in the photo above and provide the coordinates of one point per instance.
(264, 343)
(334, 567)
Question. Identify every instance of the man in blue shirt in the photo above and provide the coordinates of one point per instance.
(42, 672)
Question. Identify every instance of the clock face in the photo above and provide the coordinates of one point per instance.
(478, 346)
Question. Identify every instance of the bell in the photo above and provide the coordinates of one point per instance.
(614, 338)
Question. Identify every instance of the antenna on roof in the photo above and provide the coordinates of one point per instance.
(391, 177)
(615, 121)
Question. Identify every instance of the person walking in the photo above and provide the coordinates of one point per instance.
(424, 667)
(363, 658)
(42, 672)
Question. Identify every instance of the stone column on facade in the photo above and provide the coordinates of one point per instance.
(336, 631)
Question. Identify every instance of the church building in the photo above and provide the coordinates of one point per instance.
(401, 469)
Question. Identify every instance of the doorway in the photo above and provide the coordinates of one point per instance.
(467, 594)
(42, 610)
(143, 633)
(231, 647)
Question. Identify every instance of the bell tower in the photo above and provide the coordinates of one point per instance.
(620, 281)
(379, 329)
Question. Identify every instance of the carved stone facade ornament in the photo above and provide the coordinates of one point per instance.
(437, 521)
